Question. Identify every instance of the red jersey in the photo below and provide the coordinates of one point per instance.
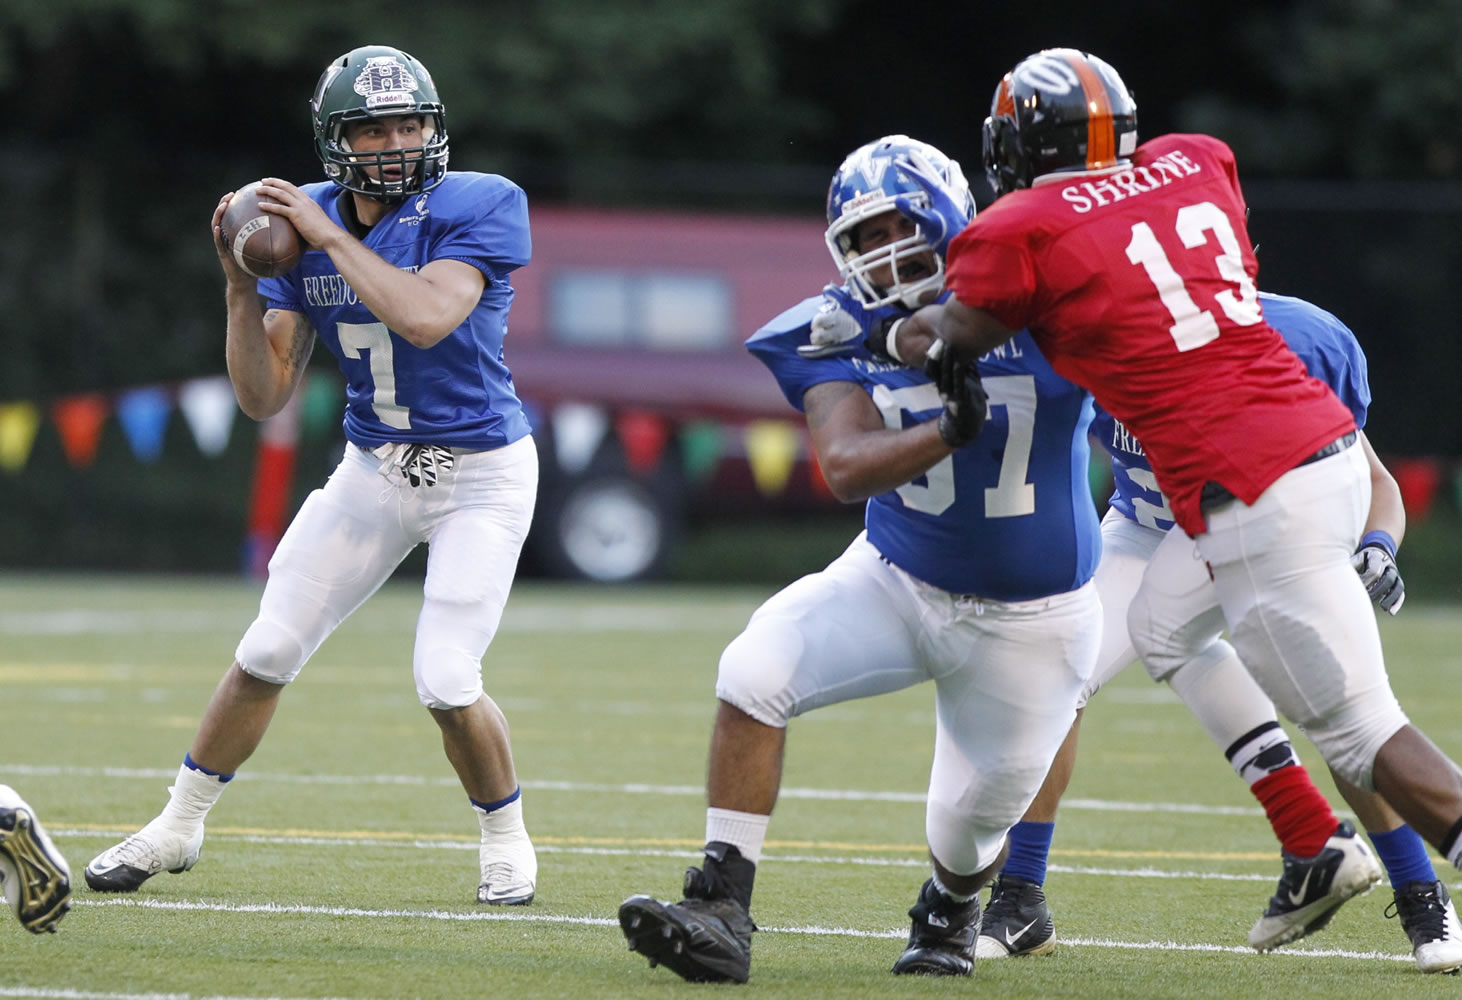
(1138, 283)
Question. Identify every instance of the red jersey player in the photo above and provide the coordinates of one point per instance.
(1132, 268)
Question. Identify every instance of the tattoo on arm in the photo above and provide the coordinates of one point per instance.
(301, 343)
(301, 338)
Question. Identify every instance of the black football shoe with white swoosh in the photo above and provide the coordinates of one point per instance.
(1312, 889)
(1017, 921)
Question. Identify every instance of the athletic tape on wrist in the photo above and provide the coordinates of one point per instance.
(1381, 539)
(891, 341)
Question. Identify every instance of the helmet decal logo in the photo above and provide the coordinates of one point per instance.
(1048, 72)
(385, 81)
(871, 166)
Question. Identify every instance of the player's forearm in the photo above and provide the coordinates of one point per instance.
(1387, 512)
(969, 331)
(263, 376)
(404, 301)
(862, 466)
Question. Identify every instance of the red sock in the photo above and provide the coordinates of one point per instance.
(1301, 817)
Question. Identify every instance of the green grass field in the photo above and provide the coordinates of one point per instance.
(342, 862)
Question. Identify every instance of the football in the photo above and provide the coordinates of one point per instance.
(264, 245)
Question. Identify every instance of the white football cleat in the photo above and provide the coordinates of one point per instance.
(1430, 922)
(509, 868)
(33, 875)
(1312, 889)
(147, 852)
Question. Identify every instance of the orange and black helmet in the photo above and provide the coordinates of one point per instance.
(1060, 109)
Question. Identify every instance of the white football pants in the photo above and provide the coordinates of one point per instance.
(1180, 604)
(1296, 610)
(1006, 679)
(349, 536)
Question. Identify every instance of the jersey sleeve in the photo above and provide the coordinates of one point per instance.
(283, 292)
(775, 345)
(490, 231)
(993, 273)
(1327, 347)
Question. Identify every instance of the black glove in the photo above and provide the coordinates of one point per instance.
(1377, 569)
(963, 395)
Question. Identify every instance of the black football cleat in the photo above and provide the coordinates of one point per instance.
(706, 937)
(942, 938)
(1017, 921)
(1430, 921)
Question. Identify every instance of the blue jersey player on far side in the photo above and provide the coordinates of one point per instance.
(943, 585)
(405, 281)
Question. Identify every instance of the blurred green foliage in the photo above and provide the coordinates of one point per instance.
(129, 118)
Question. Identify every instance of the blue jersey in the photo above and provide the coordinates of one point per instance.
(1009, 515)
(458, 392)
(1329, 352)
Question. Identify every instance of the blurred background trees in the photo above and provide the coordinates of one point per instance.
(126, 119)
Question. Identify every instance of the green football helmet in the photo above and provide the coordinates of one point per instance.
(378, 81)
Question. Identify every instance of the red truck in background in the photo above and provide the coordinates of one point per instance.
(626, 341)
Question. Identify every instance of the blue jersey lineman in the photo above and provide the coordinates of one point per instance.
(974, 572)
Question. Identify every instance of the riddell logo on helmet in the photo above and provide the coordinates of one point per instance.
(385, 82)
(854, 204)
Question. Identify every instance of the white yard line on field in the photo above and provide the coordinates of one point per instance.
(915, 860)
(498, 916)
(581, 787)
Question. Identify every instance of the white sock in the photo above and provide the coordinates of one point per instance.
(744, 831)
(503, 821)
(193, 793)
(952, 895)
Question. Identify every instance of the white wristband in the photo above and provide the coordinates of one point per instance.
(891, 341)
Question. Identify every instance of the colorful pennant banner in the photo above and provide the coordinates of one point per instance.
(80, 420)
(143, 414)
(18, 425)
(209, 409)
(772, 448)
(643, 436)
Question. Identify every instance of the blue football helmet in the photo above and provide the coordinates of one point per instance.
(865, 186)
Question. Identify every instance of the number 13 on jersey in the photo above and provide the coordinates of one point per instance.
(1193, 327)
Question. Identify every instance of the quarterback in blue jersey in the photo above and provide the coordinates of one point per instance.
(942, 585)
(1177, 620)
(405, 281)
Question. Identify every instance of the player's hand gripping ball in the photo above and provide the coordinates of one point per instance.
(264, 245)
